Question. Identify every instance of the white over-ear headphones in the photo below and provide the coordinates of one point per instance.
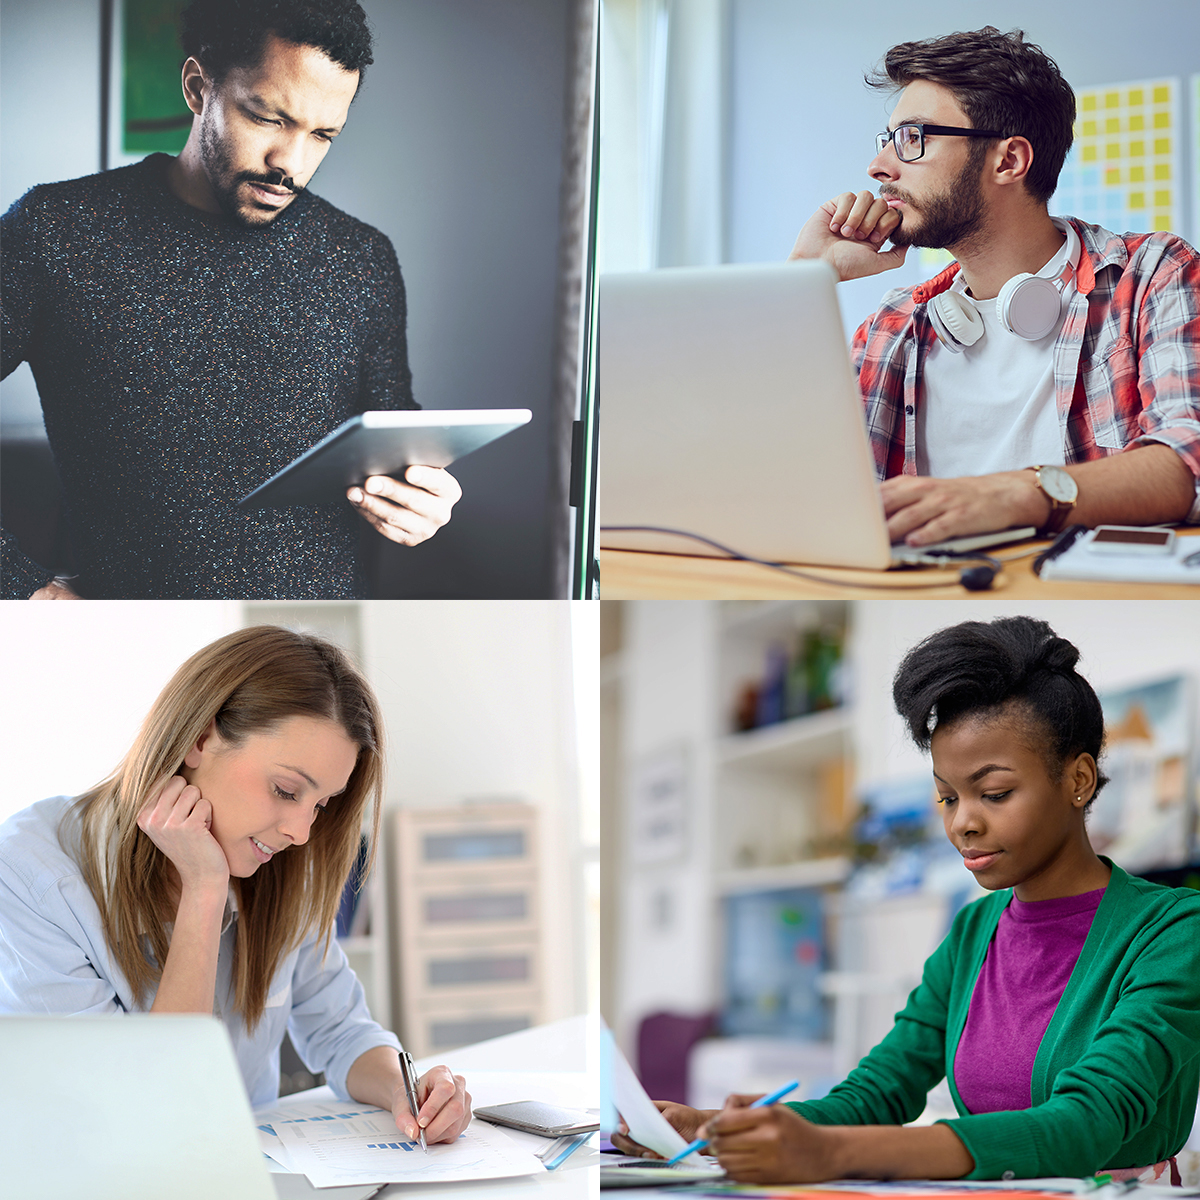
(1028, 305)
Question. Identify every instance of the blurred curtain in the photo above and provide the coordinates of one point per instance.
(575, 214)
(664, 101)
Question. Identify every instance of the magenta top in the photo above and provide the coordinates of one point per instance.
(1023, 977)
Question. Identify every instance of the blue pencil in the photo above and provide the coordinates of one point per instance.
(761, 1102)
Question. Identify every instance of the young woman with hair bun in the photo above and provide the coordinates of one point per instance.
(204, 874)
(1064, 1008)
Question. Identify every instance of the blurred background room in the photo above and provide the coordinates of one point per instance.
(775, 870)
(469, 146)
(481, 915)
(725, 123)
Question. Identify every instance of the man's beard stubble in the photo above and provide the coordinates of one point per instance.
(949, 218)
(224, 181)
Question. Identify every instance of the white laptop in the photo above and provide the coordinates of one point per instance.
(730, 409)
(130, 1107)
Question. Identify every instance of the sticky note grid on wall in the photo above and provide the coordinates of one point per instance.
(1123, 172)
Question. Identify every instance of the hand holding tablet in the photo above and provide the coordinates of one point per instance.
(386, 443)
(408, 510)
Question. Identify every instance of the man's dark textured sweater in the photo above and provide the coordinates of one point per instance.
(181, 360)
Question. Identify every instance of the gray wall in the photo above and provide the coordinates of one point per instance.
(454, 150)
(50, 92)
(801, 121)
(49, 129)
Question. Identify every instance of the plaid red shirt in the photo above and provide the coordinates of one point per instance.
(1126, 364)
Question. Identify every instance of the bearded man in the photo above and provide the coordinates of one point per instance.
(1050, 376)
(195, 323)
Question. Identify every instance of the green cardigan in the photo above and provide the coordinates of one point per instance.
(1116, 1075)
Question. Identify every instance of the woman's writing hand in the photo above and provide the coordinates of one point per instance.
(443, 1106)
(178, 821)
(769, 1145)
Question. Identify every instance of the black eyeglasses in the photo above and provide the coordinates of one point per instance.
(909, 140)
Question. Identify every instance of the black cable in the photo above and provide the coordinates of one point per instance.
(974, 579)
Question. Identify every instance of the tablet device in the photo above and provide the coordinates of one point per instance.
(382, 443)
(543, 1119)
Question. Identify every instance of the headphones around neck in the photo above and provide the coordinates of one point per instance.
(1028, 305)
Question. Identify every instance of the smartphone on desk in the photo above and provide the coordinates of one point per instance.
(544, 1119)
(1131, 539)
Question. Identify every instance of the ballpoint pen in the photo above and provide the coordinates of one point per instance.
(761, 1102)
(409, 1071)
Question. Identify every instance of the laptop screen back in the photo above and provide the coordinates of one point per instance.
(729, 408)
(126, 1107)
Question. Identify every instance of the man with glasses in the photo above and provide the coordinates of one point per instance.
(1050, 376)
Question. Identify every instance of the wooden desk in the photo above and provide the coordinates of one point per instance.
(633, 575)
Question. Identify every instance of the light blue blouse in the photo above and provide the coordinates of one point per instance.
(54, 959)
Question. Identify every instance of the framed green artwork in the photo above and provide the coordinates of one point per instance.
(154, 115)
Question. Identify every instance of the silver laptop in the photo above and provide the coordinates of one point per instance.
(730, 409)
(123, 1107)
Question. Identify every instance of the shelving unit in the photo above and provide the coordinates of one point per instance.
(791, 745)
(779, 789)
(469, 935)
(757, 806)
(817, 872)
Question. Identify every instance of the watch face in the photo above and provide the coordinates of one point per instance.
(1058, 485)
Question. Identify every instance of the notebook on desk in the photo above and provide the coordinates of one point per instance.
(731, 411)
(1072, 557)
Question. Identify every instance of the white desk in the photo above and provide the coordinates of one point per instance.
(556, 1064)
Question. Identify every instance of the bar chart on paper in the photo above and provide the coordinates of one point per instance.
(362, 1147)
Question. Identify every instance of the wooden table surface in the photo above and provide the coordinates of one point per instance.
(635, 575)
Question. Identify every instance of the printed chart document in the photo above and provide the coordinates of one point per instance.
(649, 1127)
(324, 1105)
(336, 1143)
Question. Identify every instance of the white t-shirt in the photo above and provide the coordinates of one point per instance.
(992, 407)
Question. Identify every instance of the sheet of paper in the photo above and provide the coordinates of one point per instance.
(272, 1148)
(320, 1108)
(365, 1148)
(647, 1125)
(567, 1089)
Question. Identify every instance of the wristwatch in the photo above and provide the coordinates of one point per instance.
(1061, 490)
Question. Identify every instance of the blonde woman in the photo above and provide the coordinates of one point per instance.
(204, 874)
